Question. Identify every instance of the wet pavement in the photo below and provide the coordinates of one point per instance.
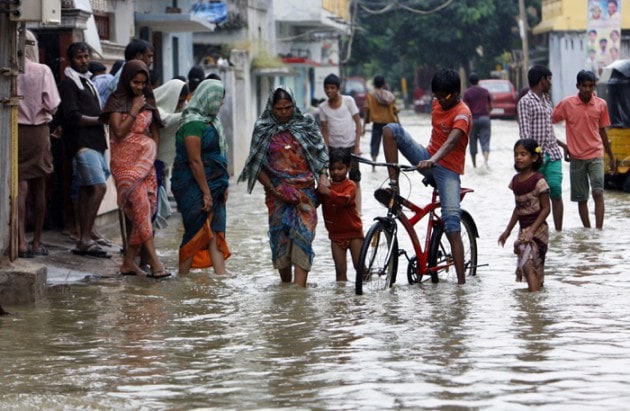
(244, 341)
(65, 267)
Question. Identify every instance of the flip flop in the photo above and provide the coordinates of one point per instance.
(42, 251)
(26, 254)
(104, 242)
(159, 274)
(91, 253)
(91, 250)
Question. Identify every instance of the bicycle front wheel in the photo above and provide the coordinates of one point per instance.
(441, 256)
(378, 259)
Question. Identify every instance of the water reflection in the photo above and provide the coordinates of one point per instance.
(533, 327)
(247, 342)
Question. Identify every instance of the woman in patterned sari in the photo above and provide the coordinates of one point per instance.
(131, 114)
(288, 157)
(200, 180)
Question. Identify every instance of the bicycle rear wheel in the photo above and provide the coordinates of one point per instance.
(441, 256)
(378, 259)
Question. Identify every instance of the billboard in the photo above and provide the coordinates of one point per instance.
(603, 34)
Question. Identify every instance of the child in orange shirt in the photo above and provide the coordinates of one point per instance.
(341, 217)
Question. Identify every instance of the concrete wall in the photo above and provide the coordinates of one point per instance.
(184, 57)
(567, 56)
(329, 13)
(309, 11)
(174, 62)
(122, 21)
(310, 32)
(246, 91)
(240, 107)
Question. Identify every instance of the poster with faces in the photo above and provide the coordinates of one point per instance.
(603, 34)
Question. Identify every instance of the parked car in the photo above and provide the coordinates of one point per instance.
(421, 101)
(503, 95)
(357, 88)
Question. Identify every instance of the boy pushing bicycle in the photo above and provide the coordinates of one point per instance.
(444, 156)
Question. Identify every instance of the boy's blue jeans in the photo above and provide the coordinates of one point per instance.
(447, 181)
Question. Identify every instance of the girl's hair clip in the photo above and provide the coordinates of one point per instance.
(537, 149)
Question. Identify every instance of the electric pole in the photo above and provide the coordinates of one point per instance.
(522, 25)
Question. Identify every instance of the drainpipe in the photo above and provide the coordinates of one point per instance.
(523, 29)
(12, 70)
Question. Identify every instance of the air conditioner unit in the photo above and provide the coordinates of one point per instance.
(41, 11)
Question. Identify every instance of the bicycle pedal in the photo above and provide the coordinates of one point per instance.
(383, 195)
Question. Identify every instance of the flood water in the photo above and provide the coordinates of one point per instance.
(247, 342)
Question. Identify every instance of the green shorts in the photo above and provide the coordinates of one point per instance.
(552, 170)
(583, 171)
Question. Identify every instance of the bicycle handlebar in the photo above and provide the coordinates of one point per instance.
(401, 167)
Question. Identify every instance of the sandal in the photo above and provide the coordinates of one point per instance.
(26, 254)
(104, 242)
(133, 271)
(41, 251)
(91, 250)
(159, 274)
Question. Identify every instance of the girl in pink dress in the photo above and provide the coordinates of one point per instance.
(531, 193)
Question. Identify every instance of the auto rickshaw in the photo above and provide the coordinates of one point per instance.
(614, 87)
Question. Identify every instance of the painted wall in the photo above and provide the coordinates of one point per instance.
(567, 56)
(184, 55)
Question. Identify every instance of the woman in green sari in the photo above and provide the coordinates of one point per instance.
(200, 180)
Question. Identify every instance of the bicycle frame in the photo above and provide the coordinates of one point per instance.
(409, 222)
(379, 254)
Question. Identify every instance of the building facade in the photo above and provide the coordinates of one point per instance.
(308, 40)
(254, 45)
(563, 29)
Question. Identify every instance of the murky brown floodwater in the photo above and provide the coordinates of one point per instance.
(247, 342)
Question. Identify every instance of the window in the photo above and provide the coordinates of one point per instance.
(101, 17)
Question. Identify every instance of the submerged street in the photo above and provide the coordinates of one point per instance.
(245, 341)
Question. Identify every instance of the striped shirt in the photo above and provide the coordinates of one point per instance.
(534, 121)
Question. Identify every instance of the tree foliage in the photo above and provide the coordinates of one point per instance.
(473, 34)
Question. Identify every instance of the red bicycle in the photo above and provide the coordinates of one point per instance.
(378, 259)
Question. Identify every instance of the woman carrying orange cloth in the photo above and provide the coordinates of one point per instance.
(200, 180)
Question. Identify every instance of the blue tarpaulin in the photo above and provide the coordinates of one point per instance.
(212, 11)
